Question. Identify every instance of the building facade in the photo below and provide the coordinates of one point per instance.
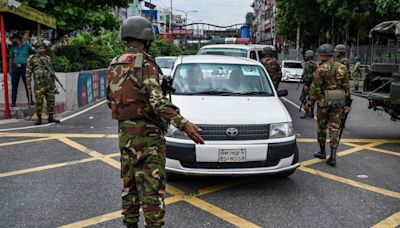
(263, 24)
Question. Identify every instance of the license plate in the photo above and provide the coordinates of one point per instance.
(232, 155)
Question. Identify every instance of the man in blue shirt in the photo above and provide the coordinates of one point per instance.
(19, 53)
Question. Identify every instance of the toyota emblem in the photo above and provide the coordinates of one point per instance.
(232, 132)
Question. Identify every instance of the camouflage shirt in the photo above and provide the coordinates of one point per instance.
(309, 70)
(274, 70)
(131, 97)
(36, 68)
(322, 81)
(357, 68)
(345, 62)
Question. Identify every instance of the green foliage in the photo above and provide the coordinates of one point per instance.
(391, 7)
(87, 51)
(163, 48)
(77, 14)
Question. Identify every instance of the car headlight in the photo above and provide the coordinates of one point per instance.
(174, 132)
(281, 130)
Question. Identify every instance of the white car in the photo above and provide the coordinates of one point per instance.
(166, 63)
(292, 70)
(237, 50)
(246, 128)
(260, 49)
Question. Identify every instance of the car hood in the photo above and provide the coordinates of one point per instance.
(231, 109)
(294, 71)
(166, 71)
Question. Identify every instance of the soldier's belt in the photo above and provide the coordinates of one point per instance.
(335, 97)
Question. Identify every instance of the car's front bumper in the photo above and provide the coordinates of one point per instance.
(278, 157)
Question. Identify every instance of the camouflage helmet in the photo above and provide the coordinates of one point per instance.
(137, 27)
(41, 44)
(341, 48)
(325, 50)
(268, 51)
(309, 54)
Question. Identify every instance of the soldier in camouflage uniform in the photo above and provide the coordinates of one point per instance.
(45, 86)
(330, 78)
(272, 66)
(356, 75)
(143, 113)
(308, 76)
(340, 53)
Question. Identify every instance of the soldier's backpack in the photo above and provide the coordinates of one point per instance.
(334, 97)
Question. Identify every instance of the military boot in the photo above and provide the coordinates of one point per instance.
(39, 119)
(307, 115)
(332, 159)
(321, 154)
(132, 226)
(52, 120)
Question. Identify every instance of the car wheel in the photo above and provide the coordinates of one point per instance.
(285, 174)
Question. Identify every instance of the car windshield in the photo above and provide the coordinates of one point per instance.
(236, 52)
(165, 62)
(292, 65)
(221, 79)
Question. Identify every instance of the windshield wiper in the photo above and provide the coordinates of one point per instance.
(252, 93)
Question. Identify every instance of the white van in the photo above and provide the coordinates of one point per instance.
(246, 128)
(236, 50)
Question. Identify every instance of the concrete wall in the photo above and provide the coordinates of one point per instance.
(82, 88)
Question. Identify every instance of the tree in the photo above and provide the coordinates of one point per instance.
(79, 14)
(388, 7)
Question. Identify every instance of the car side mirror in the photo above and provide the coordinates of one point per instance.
(283, 93)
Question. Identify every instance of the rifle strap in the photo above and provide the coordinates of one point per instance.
(139, 67)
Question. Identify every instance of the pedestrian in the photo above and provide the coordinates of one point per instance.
(331, 90)
(143, 113)
(340, 53)
(40, 69)
(356, 75)
(310, 66)
(272, 66)
(19, 53)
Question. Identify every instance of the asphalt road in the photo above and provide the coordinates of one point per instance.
(68, 175)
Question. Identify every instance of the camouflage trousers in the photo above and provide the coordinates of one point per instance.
(48, 92)
(304, 93)
(143, 172)
(329, 117)
(356, 80)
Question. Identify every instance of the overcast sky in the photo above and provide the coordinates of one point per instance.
(222, 12)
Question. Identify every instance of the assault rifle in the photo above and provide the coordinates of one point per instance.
(51, 74)
(343, 122)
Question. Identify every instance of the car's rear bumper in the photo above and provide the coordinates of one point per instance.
(280, 157)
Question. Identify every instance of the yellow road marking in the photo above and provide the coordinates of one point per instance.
(25, 141)
(392, 221)
(90, 152)
(52, 166)
(352, 183)
(343, 153)
(379, 150)
(220, 213)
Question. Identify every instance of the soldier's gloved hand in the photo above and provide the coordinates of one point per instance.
(193, 131)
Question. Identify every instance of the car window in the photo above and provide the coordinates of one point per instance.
(292, 65)
(165, 62)
(236, 52)
(253, 55)
(191, 79)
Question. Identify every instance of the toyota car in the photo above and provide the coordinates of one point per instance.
(246, 128)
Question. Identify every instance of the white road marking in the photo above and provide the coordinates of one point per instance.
(62, 120)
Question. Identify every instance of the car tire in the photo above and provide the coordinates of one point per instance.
(285, 174)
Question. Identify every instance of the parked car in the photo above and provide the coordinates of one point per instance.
(236, 50)
(246, 128)
(166, 63)
(292, 70)
(260, 49)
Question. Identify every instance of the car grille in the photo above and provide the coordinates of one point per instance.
(245, 132)
(233, 165)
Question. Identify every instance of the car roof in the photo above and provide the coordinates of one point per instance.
(234, 46)
(291, 61)
(216, 59)
(166, 57)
